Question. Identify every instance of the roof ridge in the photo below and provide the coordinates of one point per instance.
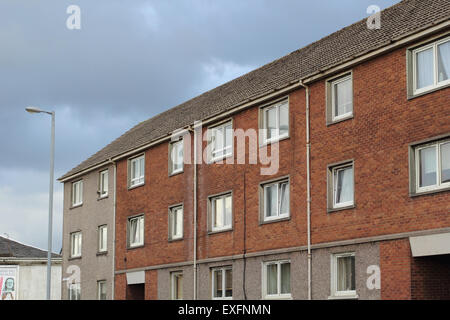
(330, 50)
(23, 244)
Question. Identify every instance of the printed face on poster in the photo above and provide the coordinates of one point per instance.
(8, 284)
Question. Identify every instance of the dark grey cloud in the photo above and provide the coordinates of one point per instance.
(130, 61)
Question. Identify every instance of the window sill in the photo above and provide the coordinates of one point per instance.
(76, 206)
(275, 220)
(331, 210)
(136, 186)
(74, 258)
(102, 253)
(175, 239)
(215, 160)
(211, 232)
(135, 247)
(278, 297)
(103, 197)
(331, 122)
(420, 94)
(176, 173)
(428, 192)
(344, 297)
(272, 141)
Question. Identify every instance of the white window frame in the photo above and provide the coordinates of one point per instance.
(76, 236)
(173, 288)
(334, 83)
(141, 230)
(264, 122)
(77, 189)
(223, 271)
(279, 215)
(73, 287)
(103, 238)
(172, 221)
(334, 276)
(212, 200)
(437, 145)
(174, 145)
(140, 180)
(436, 83)
(101, 283)
(279, 295)
(225, 148)
(334, 171)
(103, 187)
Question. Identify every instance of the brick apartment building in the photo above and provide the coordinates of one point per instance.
(359, 207)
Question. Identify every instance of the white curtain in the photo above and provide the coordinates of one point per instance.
(272, 279)
(424, 66)
(218, 212)
(284, 198)
(343, 97)
(344, 189)
(286, 278)
(284, 118)
(218, 283)
(271, 200)
(346, 276)
(428, 166)
(227, 217)
(444, 61)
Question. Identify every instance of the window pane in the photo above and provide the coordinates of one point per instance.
(286, 278)
(218, 138)
(228, 283)
(271, 123)
(344, 185)
(427, 174)
(343, 97)
(444, 61)
(227, 217)
(228, 139)
(284, 119)
(179, 222)
(272, 279)
(218, 212)
(346, 273)
(218, 284)
(271, 196)
(284, 198)
(445, 162)
(424, 67)
(178, 286)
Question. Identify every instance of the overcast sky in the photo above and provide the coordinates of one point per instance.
(129, 61)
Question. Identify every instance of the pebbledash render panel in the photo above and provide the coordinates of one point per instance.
(93, 264)
(379, 166)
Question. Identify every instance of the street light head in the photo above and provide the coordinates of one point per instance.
(33, 110)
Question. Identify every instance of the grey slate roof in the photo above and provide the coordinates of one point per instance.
(13, 249)
(398, 21)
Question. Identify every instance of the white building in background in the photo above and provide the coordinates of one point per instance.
(23, 272)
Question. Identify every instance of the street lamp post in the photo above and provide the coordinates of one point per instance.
(50, 195)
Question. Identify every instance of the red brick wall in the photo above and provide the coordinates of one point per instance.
(395, 267)
(430, 278)
(151, 285)
(377, 138)
(120, 287)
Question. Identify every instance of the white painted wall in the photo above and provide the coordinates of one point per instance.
(32, 282)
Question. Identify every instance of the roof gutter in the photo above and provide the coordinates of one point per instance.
(395, 43)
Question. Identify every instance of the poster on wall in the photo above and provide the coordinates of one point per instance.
(8, 283)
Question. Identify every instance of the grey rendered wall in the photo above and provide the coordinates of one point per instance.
(365, 255)
(87, 218)
(164, 291)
